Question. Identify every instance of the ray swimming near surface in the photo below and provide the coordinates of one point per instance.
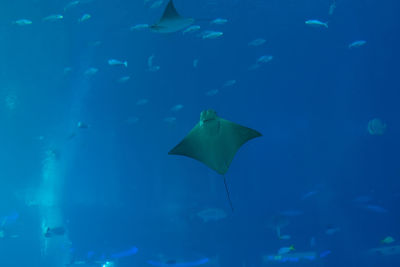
(214, 142)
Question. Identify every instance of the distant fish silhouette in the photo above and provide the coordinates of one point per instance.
(174, 263)
(54, 231)
(125, 253)
(309, 194)
(376, 208)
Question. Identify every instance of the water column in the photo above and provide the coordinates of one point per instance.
(55, 250)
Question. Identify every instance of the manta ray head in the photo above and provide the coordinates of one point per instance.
(207, 116)
(209, 122)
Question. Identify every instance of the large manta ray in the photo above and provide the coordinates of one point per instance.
(171, 21)
(214, 141)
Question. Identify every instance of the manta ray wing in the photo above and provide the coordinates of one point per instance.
(170, 12)
(171, 21)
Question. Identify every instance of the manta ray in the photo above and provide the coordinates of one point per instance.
(214, 141)
(171, 21)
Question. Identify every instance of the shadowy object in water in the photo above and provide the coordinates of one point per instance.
(174, 263)
(54, 231)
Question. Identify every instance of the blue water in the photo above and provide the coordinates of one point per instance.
(317, 169)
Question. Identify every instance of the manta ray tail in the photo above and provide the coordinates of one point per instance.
(227, 193)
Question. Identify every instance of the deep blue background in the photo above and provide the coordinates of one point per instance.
(312, 103)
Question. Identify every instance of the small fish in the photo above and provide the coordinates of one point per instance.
(316, 23)
(332, 7)
(229, 83)
(23, 22)
(376, 127)
(139, 27)
(11, 101)
(170, 119)
(157, 4)
(132, 120)
(71, 5)
(84, 18)
(257, 42)
(211, 34)
(191, 29)
(154, 68)
(150, 65)
(309, 194)
(124, 79)
(212, 214)
(325, 253)
(195, 63)
(219, 21)
(56, 231)
(264, 59)
(356, 44)
(387, 240)
(40, 138)
(285, 250)
(142, 102)
(124, 253)
(55, 17)
(177, 107)
(91, 71)
(261, 60)
(113, 62)
(67, 70)
(386, 250)
(376, 208)
(95, 43)
(332, 230)
(150, 60)
(82, 125)
(71, 136)
(1, 234)
(212, 92)
(285, 237)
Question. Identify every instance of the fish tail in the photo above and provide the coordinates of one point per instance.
(126, 64)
